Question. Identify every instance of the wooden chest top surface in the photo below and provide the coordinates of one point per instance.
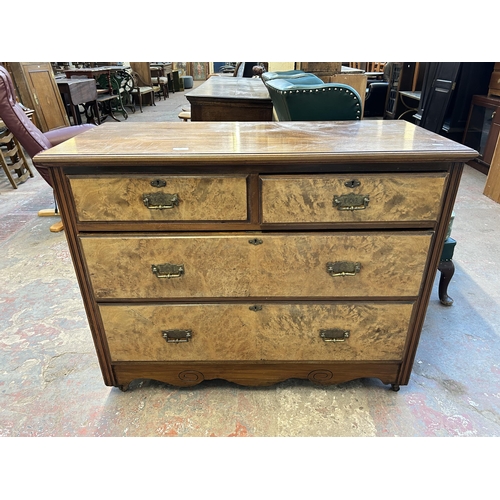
(231, 88)
(214, 143)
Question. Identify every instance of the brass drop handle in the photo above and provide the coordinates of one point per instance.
(160, 201)
(343, 268)
(176, 336)
(167, 270)
(351, 202)
(334, 335)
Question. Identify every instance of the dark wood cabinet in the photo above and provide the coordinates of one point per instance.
(447, 94)
(483, 127)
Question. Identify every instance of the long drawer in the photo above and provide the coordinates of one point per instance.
(326, 264)
(253, 332)
(167, 198)
(355, 198)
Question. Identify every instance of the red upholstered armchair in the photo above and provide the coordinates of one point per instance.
(28, 135)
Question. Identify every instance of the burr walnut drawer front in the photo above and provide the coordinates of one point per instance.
(326, 264)
(248, 331)
(170, 198)
(355, 198)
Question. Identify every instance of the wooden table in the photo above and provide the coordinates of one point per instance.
(95, 73)
(230, 99)
(257, 252)
(79, 91)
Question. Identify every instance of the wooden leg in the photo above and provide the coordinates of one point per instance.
(447, 269)
(47, 212)
(57, 227)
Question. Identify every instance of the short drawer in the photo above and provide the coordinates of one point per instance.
(205, 265)
(175, 198)
(355, 198)
(257, 332)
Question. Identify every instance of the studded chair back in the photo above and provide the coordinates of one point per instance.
(294, 101)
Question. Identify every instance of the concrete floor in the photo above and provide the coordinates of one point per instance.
(51, 385)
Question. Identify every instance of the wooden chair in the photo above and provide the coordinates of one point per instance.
(141, 88)
(160, 80)
(12, 159)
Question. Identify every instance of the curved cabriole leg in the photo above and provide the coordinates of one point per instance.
(447, 269)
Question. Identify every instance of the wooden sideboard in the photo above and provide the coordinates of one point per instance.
(256, 252)
(230, 99)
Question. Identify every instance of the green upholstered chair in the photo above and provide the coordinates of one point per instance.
(297, 100)
(271, 75)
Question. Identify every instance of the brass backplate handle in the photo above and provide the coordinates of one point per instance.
(343, 268)
(167, 270)
(160, 201)
(351, 201)
(177, 336)
(334, 335)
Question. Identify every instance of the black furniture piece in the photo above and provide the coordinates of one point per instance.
(376, 94)
(447, 270)
(447, 92)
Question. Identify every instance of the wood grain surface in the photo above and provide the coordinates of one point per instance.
(215, 198)
(241, 143)
(276, 332)
(282, 265)
(404, 197)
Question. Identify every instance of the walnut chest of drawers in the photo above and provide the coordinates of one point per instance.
(256, 252)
